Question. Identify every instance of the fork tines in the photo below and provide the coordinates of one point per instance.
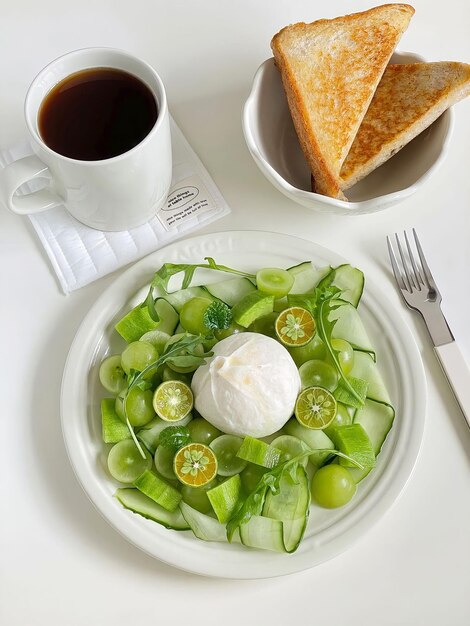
(411, 272)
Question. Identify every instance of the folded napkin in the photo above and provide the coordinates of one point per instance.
(80, 254)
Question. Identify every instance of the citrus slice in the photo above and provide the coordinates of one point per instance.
(173, 400)
(195, 465)
(295, 326)
(315, 408)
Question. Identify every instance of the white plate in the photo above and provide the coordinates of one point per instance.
(328, 532)
(272, 141)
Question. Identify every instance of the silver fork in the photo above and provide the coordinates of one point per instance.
(420, 292)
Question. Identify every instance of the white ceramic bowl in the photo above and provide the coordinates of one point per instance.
(272, 141)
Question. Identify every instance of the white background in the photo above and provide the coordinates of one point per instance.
(60, 563)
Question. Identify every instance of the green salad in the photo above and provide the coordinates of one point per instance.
(239, 406)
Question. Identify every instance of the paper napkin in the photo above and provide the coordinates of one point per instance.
(80, 254)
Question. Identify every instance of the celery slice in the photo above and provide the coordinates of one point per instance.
(259, 452)
(224, 498)
(158, 490)
(113, 428)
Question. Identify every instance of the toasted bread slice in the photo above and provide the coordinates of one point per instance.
(330, 70)
(408, 99)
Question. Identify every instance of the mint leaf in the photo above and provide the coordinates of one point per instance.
(174, 437)
(218, 316)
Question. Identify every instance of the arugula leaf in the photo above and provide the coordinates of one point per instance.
(218, 316)
(325, 329)
(187, 344)
(174, 437)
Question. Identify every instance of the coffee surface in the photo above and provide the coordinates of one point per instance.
(97, 114)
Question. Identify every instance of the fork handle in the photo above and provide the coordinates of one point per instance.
(457, 373)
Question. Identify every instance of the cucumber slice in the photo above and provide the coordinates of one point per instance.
(263, 532)
(315, 439)
(137, 502)
(376, 419)
(178, 298)
(306, 276)
(349, 326)
(203, 526)
(259, 452)
(347, 278)
(231, 291)
(158, 490)
(138, 321)
(150, 433)
(254, 305)
(353, 441)
(113, 428)
(224, 498)
(291, 506)
(364, 367)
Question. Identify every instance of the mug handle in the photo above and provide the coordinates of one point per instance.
(16, 174)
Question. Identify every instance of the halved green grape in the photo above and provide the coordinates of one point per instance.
(119, 405)
(276, 282)
(139, 406)
(192, 315)
(315, 349)
(332, 486)
(226, 448)
(198, 350)
(112, 375)
(290, 447)
(316, 373)
(197, 498)
(164, 462)
(156, 337)
(125, 463)
(202, 432)
(137, 355)
(345, 354)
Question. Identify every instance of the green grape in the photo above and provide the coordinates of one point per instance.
(139, 407)
(345, 354)
(169, 374)
(226, 448)
(202, 432)
(196, 497)
(290, 447)
(265, 325)
(317, 373)
(233, 329)
(137, 355)
(112, 375)
(125, 463)
(192, 315)
(342, 418)
(198, 350)
(274, 281)
(315, 349)
(119, 405)
(251, 476)
(332, 486)
(164, 462)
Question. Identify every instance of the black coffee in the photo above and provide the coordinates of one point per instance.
(97, 114)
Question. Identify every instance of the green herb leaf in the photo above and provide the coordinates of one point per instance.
(174, 437)
(218, 316)
(187, 344)
(325, 328)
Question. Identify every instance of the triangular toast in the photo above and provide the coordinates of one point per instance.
(408, 99)
(330, 70)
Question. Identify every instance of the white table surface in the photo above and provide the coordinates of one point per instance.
(60, 562)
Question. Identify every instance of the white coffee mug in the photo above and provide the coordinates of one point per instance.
(118, 193)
